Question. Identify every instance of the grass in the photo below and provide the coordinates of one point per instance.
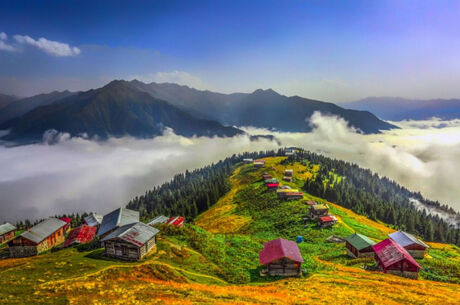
(215, 260)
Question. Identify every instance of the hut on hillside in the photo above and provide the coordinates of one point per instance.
(116, 219)
(359, 245)
(393, 258)
(259, 163)
(130, 242)
(412, 244)
(7, 231)
(310, 202)
(38, 239)
(94, 219)
(176, 221)
(80, 235)
(272, 180)
(289, 172)
(293, 196)
(318, 210)
(287, 179)
(281, 257)
(272, 186)
(266, 176)
(327, 221)
(158, 220)
(248, 160)
(290, 151)
(284, 190)
(68, 221)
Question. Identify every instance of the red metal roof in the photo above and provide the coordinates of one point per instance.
(293, 193)
(66, 220)
(280, 248)
(389, 253)
(272, 184)
(80, 235)
(176, 221)
(327, 218)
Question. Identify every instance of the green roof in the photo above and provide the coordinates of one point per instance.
(359, 241)
(319, 207)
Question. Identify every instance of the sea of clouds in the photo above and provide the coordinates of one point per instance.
(79, 174)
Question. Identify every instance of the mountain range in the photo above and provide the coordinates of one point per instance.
(397, 108)
(145, 110)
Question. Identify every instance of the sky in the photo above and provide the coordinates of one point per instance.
(329, 50)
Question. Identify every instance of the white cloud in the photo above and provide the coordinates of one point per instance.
(3, 36)
(178, 77)
(50, 47)
(6, 47)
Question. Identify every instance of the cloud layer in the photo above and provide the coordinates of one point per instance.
(79, 175)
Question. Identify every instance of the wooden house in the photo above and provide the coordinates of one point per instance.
(392, 258)
(272, 180)
(288, 179)
(158, 220)
(267, 176)
(93, 219)
(283, 191)
(310, 202)
(68, 221)
(259, 163)
(248, 160)
(7, 231)
(318, 210)
(289, 172)
(130, 242)
(327, 221)
(413, 245)
(176, 221)
(359, 245)
(293, 195)
(80, 235)
(290, 151)
(116, 219)
(281, 257)
(39, 238)
(272, 186)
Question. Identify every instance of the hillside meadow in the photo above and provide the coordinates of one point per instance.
(214, 260)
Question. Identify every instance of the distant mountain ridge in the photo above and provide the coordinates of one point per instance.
(397, 108)
(116, 109)
(5, 100)
(262, 108)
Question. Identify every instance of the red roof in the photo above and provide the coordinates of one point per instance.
(176, 221)
(389, 253)
(327, 218)
(66, 220)
(280, 248)
(272, 184)
(293, 193)
(80, 235)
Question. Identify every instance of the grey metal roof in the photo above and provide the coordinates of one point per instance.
(157, 220)
(136, 233)
(44, 229)
(405, 239)
(117, 218)
(94, 219)
(6, 227)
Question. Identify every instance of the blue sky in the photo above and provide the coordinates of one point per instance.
(328, 50)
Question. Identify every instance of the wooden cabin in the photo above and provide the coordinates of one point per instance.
(39, 238)
(392, 258)
(176, 221)
(116, 219)
(287, 179)
(413, 245)
(359, 245)
(293, 195)
(248, 160)
(272, 180)
(267, 176)
(272, 186)
(259, 163)
(80, 235)
(318, 210)
(93, 219)
(284, 190)
(130, 242)
(281, 257)
(290, 151)
(68, 222)
(289, 172)
(327, 221)
(7, 231)
(158, 220)
(310, 202)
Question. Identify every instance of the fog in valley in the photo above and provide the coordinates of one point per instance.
(78, 174)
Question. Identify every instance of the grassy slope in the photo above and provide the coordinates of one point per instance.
(215, 261)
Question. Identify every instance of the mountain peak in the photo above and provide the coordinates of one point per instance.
(268, 91)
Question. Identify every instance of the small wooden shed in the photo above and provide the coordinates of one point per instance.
(412, 244)
(281, 257)
(287, 179)
(318, 210)
(130, 242)
(39, 238)
(158, 220)
(272, 186)
(293, 195)
(284, 190)
(359, 245)
(392, 258)
(80, 235)
(115, 219)
(327, 221)
(259, 163)
(289, 172)
(177, 221)
(7, 231)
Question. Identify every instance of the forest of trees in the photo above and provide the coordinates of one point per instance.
(378, 198)
(192, 192)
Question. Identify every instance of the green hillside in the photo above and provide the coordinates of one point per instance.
(214, 260)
